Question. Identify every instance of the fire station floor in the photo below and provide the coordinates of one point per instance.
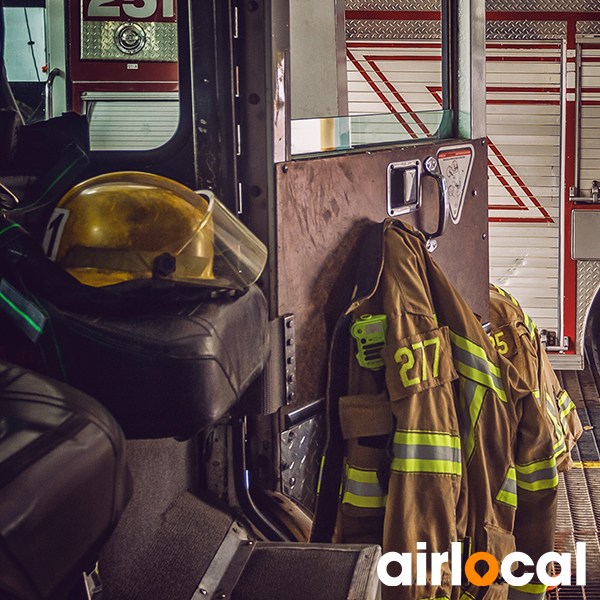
(579, 489)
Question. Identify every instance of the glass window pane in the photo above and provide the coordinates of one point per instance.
(392, 66)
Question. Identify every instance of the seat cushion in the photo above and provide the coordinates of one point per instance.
(64, 483)
(169, 373)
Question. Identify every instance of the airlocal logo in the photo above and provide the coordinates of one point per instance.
(494, 569)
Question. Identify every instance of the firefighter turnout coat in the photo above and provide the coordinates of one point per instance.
(445, 443)
(517, 338)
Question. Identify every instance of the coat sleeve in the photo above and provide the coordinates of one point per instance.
(536, 478)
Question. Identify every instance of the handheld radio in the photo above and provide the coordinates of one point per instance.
(369, 332)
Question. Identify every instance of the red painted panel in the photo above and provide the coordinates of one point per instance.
(94, 73)
(405, 57)
(393, 44)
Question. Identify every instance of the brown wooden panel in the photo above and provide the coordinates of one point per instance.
(323, 207)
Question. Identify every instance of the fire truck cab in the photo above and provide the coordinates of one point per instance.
(309, 121)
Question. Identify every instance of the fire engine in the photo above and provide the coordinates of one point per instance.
(308, 120)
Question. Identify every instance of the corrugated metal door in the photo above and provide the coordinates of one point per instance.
(130, 121)
(394, 77)
(524, 165)
(524, 99)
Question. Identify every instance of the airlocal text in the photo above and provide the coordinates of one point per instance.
(493, 568)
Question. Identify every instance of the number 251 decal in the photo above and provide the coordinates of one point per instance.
(406, 356)
(132, 8)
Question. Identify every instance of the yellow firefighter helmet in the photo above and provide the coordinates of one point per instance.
(128, 225)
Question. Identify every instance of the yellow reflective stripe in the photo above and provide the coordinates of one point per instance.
(506, 295)
(471, 361)
(320, 474)
(507, 498)
(565, 403)
(560, 445)
(532, 588)
(530, 591)
(362, 475)
(530, 325)
(427, 452)
(473, 396)
(537, 476)
(508, 491)
(362, 489)
(560, 414)
(569, 409)
(364, 501)
(535, 466)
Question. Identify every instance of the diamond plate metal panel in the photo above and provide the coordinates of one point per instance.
(525, 30)
(588, 280)
(392, 5)
(588, 27)
(542, 5)
(390, 30)
(99, 41)
(301, 451)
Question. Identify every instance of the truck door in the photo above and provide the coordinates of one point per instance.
(312, 174)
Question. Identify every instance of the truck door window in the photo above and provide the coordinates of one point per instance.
(345, 87)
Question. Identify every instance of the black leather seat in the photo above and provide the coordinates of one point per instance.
(64, 483)
(171, 372)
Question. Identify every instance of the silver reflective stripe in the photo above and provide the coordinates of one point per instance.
(362, 489)
(537, 476)
(427, 452)
(510, 483)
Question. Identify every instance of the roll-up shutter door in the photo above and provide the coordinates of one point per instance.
(128, 121)
(524, 166)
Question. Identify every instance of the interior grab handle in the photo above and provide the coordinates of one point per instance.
(432, 169)
(49, 90)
